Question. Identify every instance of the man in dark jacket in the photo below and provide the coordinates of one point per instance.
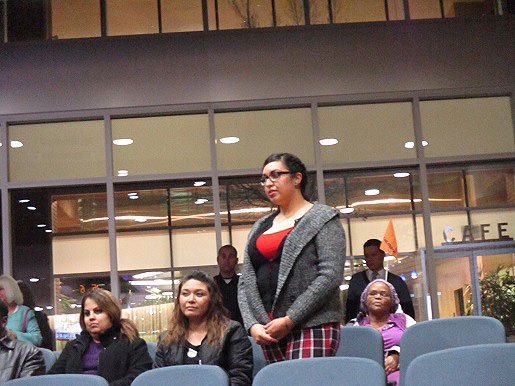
(374, 258)
(227, 280)
(17, 359)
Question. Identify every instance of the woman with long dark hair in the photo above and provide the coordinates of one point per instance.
(109, 345)
(289, 290)
(201, 332)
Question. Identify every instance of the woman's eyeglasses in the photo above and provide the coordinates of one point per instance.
(274, 176)
(383, 294)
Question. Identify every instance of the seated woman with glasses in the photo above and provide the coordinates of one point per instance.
(379, 301)
(201, 333)
(293, 266)
(108, 346)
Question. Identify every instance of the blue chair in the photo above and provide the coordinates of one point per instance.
(329, 371)
(59, 379)
(361, 342)
(152, 348)
(485, 364)
(441, 334)
(198, 375)
(258, 358)
(48, 357)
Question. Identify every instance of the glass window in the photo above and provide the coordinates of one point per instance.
(241, 135)
(244, 13)
(457, 8)
(487, 186)
(181, 15)
(447, 227)
(348, 11)
(396, 10)
(424, 9)
(467, 126)
(339, 125)
(131, 17)
(82, 212)
(319, 11)
(289, 12)
(75, 19)
(159, 145)
(495, 224)
(454, 287)
(55, 151)
(212, 11)
(446, 190)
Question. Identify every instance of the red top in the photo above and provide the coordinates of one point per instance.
(268, 244)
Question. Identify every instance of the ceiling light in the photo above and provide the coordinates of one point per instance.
(15, 144)
(199, 183)
(347, 210)
(425, 143)
(328, 141)
(161, 282)
(167, 293)
(143, 275)
(229, 140)
(38, 308)
(343, 287)
(41, 225)
(409, 145)
(201, 201)
(33, 279)
(123, 141)
(348, 277)
(140, 219)
(400, 174)
(371, 192)
(132, 194)
(133, 197)
(123, 173)
(31, 207)
(48, 230)
(49, 307)
(23, 201)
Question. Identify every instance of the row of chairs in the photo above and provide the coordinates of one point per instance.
(360, 345)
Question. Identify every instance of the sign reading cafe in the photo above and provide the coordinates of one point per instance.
(477, 233)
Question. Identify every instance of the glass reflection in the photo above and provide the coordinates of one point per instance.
(84, 212)
(446, 190)
(487, 186)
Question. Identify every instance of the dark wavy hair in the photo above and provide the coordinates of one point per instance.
(217, 316)
(294, 165)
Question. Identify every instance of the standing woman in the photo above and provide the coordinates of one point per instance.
(21, 322)
(294, 260)
(108, 345)
(201, 332)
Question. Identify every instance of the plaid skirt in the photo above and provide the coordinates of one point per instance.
(311, 342)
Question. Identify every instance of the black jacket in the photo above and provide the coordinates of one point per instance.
(119, 363)
(229, 293)
(234, 354)
(357, 285)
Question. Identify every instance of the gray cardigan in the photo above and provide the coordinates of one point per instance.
(310, 272)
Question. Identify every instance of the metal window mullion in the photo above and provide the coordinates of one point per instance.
(426, 208)
(6, 210)
(111, 221)
(159, 17)
(474, 284)
(406, 10)
(103, 18)
(205, 16)
(214, 180)
(307, 16)
(318, 154)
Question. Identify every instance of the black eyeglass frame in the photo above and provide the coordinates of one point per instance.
(274, 176)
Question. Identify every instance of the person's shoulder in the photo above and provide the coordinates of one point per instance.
(25, 347)
(358, 275)
(319, 208)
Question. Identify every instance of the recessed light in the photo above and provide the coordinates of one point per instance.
(140, 219)
(48, 230)
(229, 140)
(371, 192)
(37, 308)
(41, 225)
(133, 197)
(132, 194)
(347, 210)
(199, 183)
(409, 145)
(123, 141)
(328, 141)
(123, 173)
(31, 207)
(49, 307)
(23, 201)
(15, 144)
(34, 279)
(401, 175)
(201, 201)
(425, 143)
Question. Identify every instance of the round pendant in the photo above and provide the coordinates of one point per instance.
(191, 353)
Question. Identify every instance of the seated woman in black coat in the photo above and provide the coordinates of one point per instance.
(202, 333)
(108, 346)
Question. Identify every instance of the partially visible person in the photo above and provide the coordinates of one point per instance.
(44, 327)
(289, 289)
(17, 359)
(374, 257)
(227, 280)
(378, 304)
(22, 323)
(201, 333)
(108, 345)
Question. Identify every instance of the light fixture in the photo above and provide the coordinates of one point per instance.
(167, 293)
(403, 277)
(343, 287)
(123, 173)
(348, 277)
(371, 192)
(41, 225)
(48, 230)
(23, 201)
(413, 274)
(49, 307)
(409, 145)
(400, 174)
(123, 141)
(140, 219)
(425, 143)
(37, 308)
(328, 141)
(33, 279)
(15, 144)
(199, 183)
(132, 194)
(155, 282)
(229, 140)
(144, 275)
(346, 210)
(176, 282)
(31, 207)
(201, 201)
(133, 197)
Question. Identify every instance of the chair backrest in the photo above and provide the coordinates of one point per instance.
(485, 364)
(329, 371)
(152, 348)
(258, 358)
(48, 357)
(361, 342)
(59, 379)
(441, 334)
(198, 375)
